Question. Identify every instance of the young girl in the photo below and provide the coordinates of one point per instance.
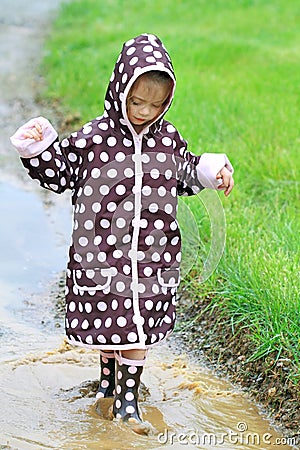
(125, 170)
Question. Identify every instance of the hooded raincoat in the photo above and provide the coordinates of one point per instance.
(124, 258)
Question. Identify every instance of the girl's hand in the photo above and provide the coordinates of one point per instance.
(226, 181)
(35, 133)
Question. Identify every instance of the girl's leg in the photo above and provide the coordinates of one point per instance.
(128, 374)
(107, 375)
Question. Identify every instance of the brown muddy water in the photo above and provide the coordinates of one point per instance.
(47, 387)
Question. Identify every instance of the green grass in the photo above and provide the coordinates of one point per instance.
(238, 70)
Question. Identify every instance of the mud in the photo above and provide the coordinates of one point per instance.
(47, 388)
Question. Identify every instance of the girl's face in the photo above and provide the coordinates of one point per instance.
(146, 102)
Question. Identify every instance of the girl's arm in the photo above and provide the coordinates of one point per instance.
(54, 164)
(210, 170)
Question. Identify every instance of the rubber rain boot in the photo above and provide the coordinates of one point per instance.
(107, 375)
(125, 406)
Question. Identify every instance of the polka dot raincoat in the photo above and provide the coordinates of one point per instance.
(124, 259)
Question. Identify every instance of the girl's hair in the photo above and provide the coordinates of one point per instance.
(156, 76)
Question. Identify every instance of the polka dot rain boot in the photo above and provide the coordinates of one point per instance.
(125, 407)
(107, 375)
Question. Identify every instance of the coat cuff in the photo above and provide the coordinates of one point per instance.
(209, 166)
(28, 148)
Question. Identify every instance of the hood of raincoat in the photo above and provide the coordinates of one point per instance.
(139, 55)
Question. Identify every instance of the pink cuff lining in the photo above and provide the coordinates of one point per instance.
(129, 362)
(28, 148)
(209, 166)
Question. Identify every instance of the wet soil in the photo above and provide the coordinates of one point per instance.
(267, 380)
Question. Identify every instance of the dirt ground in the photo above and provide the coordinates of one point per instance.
(267, 380)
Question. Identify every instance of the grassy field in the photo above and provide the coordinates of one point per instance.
(238, 70)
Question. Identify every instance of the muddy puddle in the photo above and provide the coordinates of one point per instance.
(47, 388)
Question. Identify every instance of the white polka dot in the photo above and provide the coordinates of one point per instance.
(74, 323)
(101, 257)
(81, 143)
(129, 396)
(115, 338)
(167, 257)
(120, 222)
(150, 59)
(161, 191)
(112, 173)
(88, 190)
(146, 190)
(148, 48)
(148, 271)
(97, 240)
(34, 162)
(83, 241)
(130, 383)
(102, 306)
(88, 225)
(108, 322)
(149, 305)
(133, 61)
(168, 174)
(127, 303)
(111, 141)
(154, 173)
(149, 240)
(72, 306)
(128, 172)
(132, 337)
(155, 257)
(124, 78)
(159, 224)
(121, 67)
(101, 339)
(46, 156)
(95, 173)
(89, 339)
(121, 321)
(120, 156)
(120, 189)
(107, 105)
(85, 324)
(49, 173)
(104, 189)
(97, 139)
(151, 143)
(104, 223)
(114, 304)
(111, 239)
(88, 307)
(103, 126)
(96, 207)
(120, 286)
(153, 208)
(168, 208)
(97, 323)
(161, 157)
(111, 206)
(104, 156)
(151, 322)
(91, 156)
(157, 54)
(128, 206)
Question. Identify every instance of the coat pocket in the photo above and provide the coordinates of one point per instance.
(169, 278)
(96, 279)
